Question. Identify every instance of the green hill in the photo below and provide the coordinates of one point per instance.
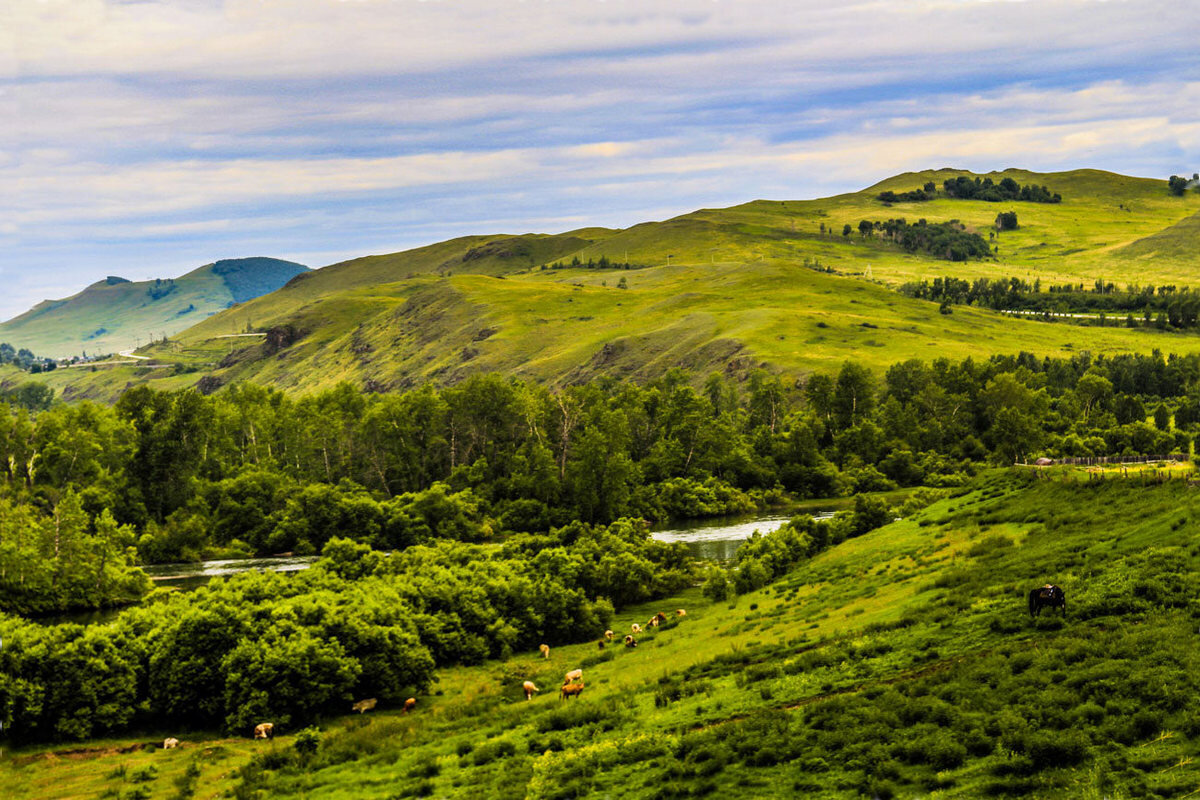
(902, 663)
(116, 314)
(765, 282)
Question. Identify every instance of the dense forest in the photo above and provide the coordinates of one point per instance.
(472, 521)
(176, 476)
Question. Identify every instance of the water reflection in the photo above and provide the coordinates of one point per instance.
(719, 540)
(189, 576)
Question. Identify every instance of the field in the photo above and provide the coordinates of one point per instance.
(901, 663)
(727, 289)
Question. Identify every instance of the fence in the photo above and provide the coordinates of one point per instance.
(1095, 461)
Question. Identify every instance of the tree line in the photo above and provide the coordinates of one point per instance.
(1165, 307)
(966, 188)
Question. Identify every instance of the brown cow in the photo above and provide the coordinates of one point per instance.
(661, 617)
(545, 648)
(608, 635)
(170, 743)
(630, 641)
(573, 675)
(679, 612)
(410, 704)
(365, 705)
(264, 730)
(529, 689)
(570, 690)
(636, 628)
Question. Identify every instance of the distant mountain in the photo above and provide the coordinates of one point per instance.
(115, 314)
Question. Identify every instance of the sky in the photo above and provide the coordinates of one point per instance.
(144, 138)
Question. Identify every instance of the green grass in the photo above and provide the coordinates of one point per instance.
(899, 662)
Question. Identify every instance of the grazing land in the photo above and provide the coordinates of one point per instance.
(898, 663)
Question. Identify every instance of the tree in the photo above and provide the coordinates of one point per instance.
(1162, 417)
(865, 227)
(1006, 221)
(1177, 185)
(853, 394)
(846, 229)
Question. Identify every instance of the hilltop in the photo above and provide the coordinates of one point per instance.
(116, 314)
(765, 283)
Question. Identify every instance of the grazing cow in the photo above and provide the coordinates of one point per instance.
(636, 628)
(573, 675)
(608, 635)
(570, 690)
(600, 644)
(529, 689)
(410, 704)
(679, 612)
(365, 705)
(630, 641)
(661, 617)
(1048, 595)
(264, 730)
(1045, 462)
(170, 743)
(652, 623)
(545, 649)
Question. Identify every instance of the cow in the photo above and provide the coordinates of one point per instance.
(679, 612)
(570, 690)
(661, 617)
(365, 705)
(573, 675)
(264, 730)
(410, 704)
(1048, 595)
(600, 644)
(608, 635)
(636, 628)
(170, 743)
(545, 650)
(652, 623)
(630, 641)
(529, 689)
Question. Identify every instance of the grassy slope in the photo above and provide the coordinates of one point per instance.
(910, 611)
(127, 313)
(735, 294)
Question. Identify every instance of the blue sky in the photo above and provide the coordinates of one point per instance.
(146, 138)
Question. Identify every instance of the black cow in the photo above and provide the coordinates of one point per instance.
(1048, 595)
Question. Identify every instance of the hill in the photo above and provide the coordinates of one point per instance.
(117, 314)
(897, 664)
(772, 283)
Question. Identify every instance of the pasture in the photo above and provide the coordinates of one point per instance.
(901, 663)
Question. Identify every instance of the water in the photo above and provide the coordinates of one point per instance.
(708, 539)
(189, 576)
(718, 540)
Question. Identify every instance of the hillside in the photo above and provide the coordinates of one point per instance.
(116, 314)
(771, 283)
(897, 664)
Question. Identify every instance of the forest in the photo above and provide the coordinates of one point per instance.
(469, 522)
(91, 490)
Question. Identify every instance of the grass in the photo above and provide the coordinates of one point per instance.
(900, 663)
(715, 289)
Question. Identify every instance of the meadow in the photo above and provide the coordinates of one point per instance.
(765, 283)
(901, 663)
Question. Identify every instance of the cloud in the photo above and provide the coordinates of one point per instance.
(138, 134)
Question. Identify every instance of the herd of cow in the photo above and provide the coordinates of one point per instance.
(572, 681)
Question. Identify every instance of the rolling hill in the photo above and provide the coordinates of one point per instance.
(116, 314)
(772, 283)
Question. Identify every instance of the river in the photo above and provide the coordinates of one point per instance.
(714, 539)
